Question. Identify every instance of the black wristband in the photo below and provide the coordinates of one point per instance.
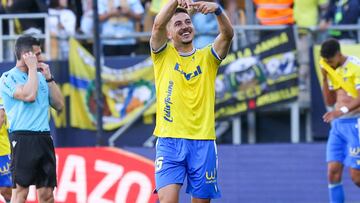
(50, 80)
(218, 11)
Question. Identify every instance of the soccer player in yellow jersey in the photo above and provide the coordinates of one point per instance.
(343, 146)
(185, 90)
(5, 175)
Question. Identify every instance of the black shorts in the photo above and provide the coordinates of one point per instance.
(32, 159)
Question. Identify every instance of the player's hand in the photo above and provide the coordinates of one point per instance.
(125, 11)
(30, 60)
(45, 70)
(324, 73)
(115, 12)
(185, 3)
(329, 116)
(205, 7)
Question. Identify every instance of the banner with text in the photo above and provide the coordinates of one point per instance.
(102, 175)
(258, 75)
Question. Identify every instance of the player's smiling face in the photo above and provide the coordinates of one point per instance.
(181, 28)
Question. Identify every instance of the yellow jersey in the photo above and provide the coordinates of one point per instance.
(349, 71)
(4, 138)
(185, 92)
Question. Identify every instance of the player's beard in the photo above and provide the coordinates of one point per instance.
(187, 42)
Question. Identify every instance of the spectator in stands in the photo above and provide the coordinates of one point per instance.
(62, 22)
(236, 11)
(341, 90)
(152, 9)
(86, 24)
(341, 12)
(28, 26)
(77, 7)
(204, 25)
(306, 15)
(274, 12)
(119, 17)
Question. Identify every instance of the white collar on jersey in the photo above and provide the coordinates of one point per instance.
(188, 53)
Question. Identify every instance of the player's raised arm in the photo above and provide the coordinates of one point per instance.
(223, 40)
(159, 34)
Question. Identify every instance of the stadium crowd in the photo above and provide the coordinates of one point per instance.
(123, 17)
(119, 19)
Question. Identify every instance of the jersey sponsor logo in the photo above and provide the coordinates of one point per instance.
(188, 76)
(167, 100)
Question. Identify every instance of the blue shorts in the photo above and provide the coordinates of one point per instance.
(5, 174)
(344, 142)
(196, 159)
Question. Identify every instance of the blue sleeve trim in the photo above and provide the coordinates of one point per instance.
(215, 54)
(162, 48)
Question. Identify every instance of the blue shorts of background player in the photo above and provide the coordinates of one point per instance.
(5, 174)
(344, 142)
(178, 158)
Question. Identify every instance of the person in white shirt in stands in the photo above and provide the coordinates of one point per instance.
(119, 17)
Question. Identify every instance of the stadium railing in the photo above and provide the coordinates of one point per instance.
(7, 39)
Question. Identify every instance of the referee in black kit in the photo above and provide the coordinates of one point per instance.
(28, 90)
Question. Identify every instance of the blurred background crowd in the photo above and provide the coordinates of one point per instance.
(125, 25)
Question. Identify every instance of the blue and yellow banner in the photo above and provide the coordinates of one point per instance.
(125, 91)
(258, 75)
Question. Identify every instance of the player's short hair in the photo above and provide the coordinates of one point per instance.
(178, 10)
(329, 48)
(25, 43)
(181, 10)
